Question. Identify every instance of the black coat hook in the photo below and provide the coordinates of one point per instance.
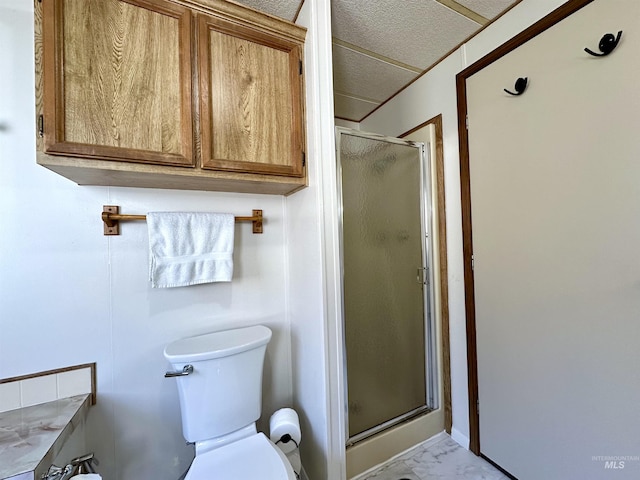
(521, 86)
(607, 44)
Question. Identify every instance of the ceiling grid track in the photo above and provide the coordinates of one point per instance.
(462, 10)
(357, 97)
(376, 56)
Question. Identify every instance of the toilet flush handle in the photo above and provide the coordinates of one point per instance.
(186, 370)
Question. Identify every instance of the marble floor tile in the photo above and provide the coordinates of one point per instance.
(443, 460)
(396, 470)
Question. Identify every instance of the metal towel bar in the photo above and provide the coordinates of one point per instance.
(112, 217)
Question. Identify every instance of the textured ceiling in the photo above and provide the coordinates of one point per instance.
(487, 8)
(412, 32)
(286, 9)
(380, 46)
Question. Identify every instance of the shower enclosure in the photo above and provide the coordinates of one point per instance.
(389, 332)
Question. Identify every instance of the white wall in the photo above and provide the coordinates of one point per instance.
(433, 94)
(69, 295)
(311, 287)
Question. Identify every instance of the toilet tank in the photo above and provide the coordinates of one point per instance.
(224, 391)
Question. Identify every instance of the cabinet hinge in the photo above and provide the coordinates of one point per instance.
(300, 63)
(473, 263)
(41, 126)
(304, 160)
(466, 121)
(477, 406)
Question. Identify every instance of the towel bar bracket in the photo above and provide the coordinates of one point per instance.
(111, 218)
(257, 221)
(111, 226)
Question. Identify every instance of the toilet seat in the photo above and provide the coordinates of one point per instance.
(252, 458)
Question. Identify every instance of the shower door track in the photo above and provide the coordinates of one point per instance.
(388, 424)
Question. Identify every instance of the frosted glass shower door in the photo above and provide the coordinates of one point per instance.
(384, 277)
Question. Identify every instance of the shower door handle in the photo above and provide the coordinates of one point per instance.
(421, 276)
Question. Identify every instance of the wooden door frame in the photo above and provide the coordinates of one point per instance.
(465, 190)
(442, 259)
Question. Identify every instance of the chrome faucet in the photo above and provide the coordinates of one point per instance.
(83, 464)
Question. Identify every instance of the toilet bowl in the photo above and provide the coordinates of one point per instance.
(254, 457)
(219, 377)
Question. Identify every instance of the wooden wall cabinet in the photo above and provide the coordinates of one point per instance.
(117, 80)
(250, 99)
(204, 95)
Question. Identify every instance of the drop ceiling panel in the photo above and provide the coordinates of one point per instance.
(381, 46)
(286, 9)
(363, 76)
(487, 8)
(351, 108)
(416, 32)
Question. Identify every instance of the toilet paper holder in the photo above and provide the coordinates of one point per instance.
(284, 426)
(286, 438)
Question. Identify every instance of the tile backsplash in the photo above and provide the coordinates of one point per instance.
(10, 396)
(42, 387)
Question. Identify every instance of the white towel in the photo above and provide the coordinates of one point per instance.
(190, 248)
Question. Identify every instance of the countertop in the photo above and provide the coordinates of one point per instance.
(31, 437)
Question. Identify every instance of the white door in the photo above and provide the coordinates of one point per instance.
(555, 197)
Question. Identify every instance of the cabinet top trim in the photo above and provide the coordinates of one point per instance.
(247, 16)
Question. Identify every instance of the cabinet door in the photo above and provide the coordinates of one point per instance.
(250, 99)
(117, 80)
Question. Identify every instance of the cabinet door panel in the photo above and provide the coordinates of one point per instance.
(251, 109)
(118, 80)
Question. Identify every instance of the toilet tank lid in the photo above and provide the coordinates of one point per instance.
(217, 344)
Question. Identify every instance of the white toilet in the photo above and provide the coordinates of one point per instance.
(220, 387)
